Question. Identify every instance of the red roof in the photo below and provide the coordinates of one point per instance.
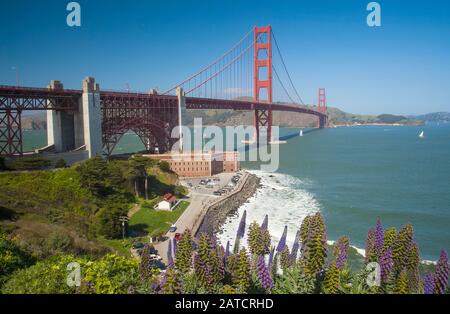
(169, 197)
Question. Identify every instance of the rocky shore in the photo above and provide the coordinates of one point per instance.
(218, 212)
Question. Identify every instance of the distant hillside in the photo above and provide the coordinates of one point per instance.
(434, 117)
(283, 119)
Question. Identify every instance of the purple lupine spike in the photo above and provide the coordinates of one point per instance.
(263, 274)
(270, 258)
(379, 238)
(342, 256)
(169, 253)
(175, 242)
(295, 247)
(265, 223)
(441, 274)
(282, 242)
(294, 252)
(386, 264)
(227, 252)
(241, 229)
(428, 283)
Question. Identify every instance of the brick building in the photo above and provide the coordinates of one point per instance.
(198, 164)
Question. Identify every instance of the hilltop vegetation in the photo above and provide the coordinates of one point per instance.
(73, 210)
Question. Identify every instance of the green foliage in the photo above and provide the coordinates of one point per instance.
(285, 258)
(315, 245)
(46, 277)
(258, 240)
(93, 174)
(12, 258)
(60, 163)
(111, 274)
(180, 191)
(401, 284)
(183, 258)
(331, 282)
(164, 166)
(294, 281)
(29, 163)
(172, 284)
(389, 236)
(401, 248)
(242, 274)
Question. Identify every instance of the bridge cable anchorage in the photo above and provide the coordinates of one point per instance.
(199, 73)
(285, 68)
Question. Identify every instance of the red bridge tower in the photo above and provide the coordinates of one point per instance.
(263, 60)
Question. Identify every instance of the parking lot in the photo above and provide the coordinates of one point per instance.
(218, 185)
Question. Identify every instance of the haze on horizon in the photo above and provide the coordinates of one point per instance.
(401, 67)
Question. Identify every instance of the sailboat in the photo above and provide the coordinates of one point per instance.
(421, 135)
(301, 133)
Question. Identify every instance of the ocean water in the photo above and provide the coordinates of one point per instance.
(355, 175)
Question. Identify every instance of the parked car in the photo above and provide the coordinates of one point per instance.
(177, 236)
(138, 245)
(173, 228)
(218, 193)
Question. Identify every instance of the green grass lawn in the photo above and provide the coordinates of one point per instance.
(153, 222)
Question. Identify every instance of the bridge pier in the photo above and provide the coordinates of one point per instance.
(91, 111)
(67, 131)
(60, 126)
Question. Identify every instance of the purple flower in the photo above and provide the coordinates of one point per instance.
(428, 283)
(441, 274)
(174, 247)
(295, 247)
(169, 253)
(379, 238)
(263, 274)
(386, 264)
(282, 242)
(265, 223)
(241, 229)
(341, 258)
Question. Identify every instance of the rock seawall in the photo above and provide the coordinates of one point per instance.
(218, 213)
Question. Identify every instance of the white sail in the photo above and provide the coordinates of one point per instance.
(421, 135)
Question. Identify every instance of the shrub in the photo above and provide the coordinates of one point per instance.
(29, 163)
(60, 163)
(164, 166)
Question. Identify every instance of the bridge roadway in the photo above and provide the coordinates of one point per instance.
(30, 98)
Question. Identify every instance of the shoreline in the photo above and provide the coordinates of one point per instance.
(217, 212)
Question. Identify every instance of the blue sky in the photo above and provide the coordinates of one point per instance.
(402, 67)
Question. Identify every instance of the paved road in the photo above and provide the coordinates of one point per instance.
(199, 198)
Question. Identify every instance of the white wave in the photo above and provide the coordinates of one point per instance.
(283, 198)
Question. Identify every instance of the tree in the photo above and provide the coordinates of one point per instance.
(93, 174)
(164, 166)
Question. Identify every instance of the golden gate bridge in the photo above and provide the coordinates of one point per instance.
(250, 76)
